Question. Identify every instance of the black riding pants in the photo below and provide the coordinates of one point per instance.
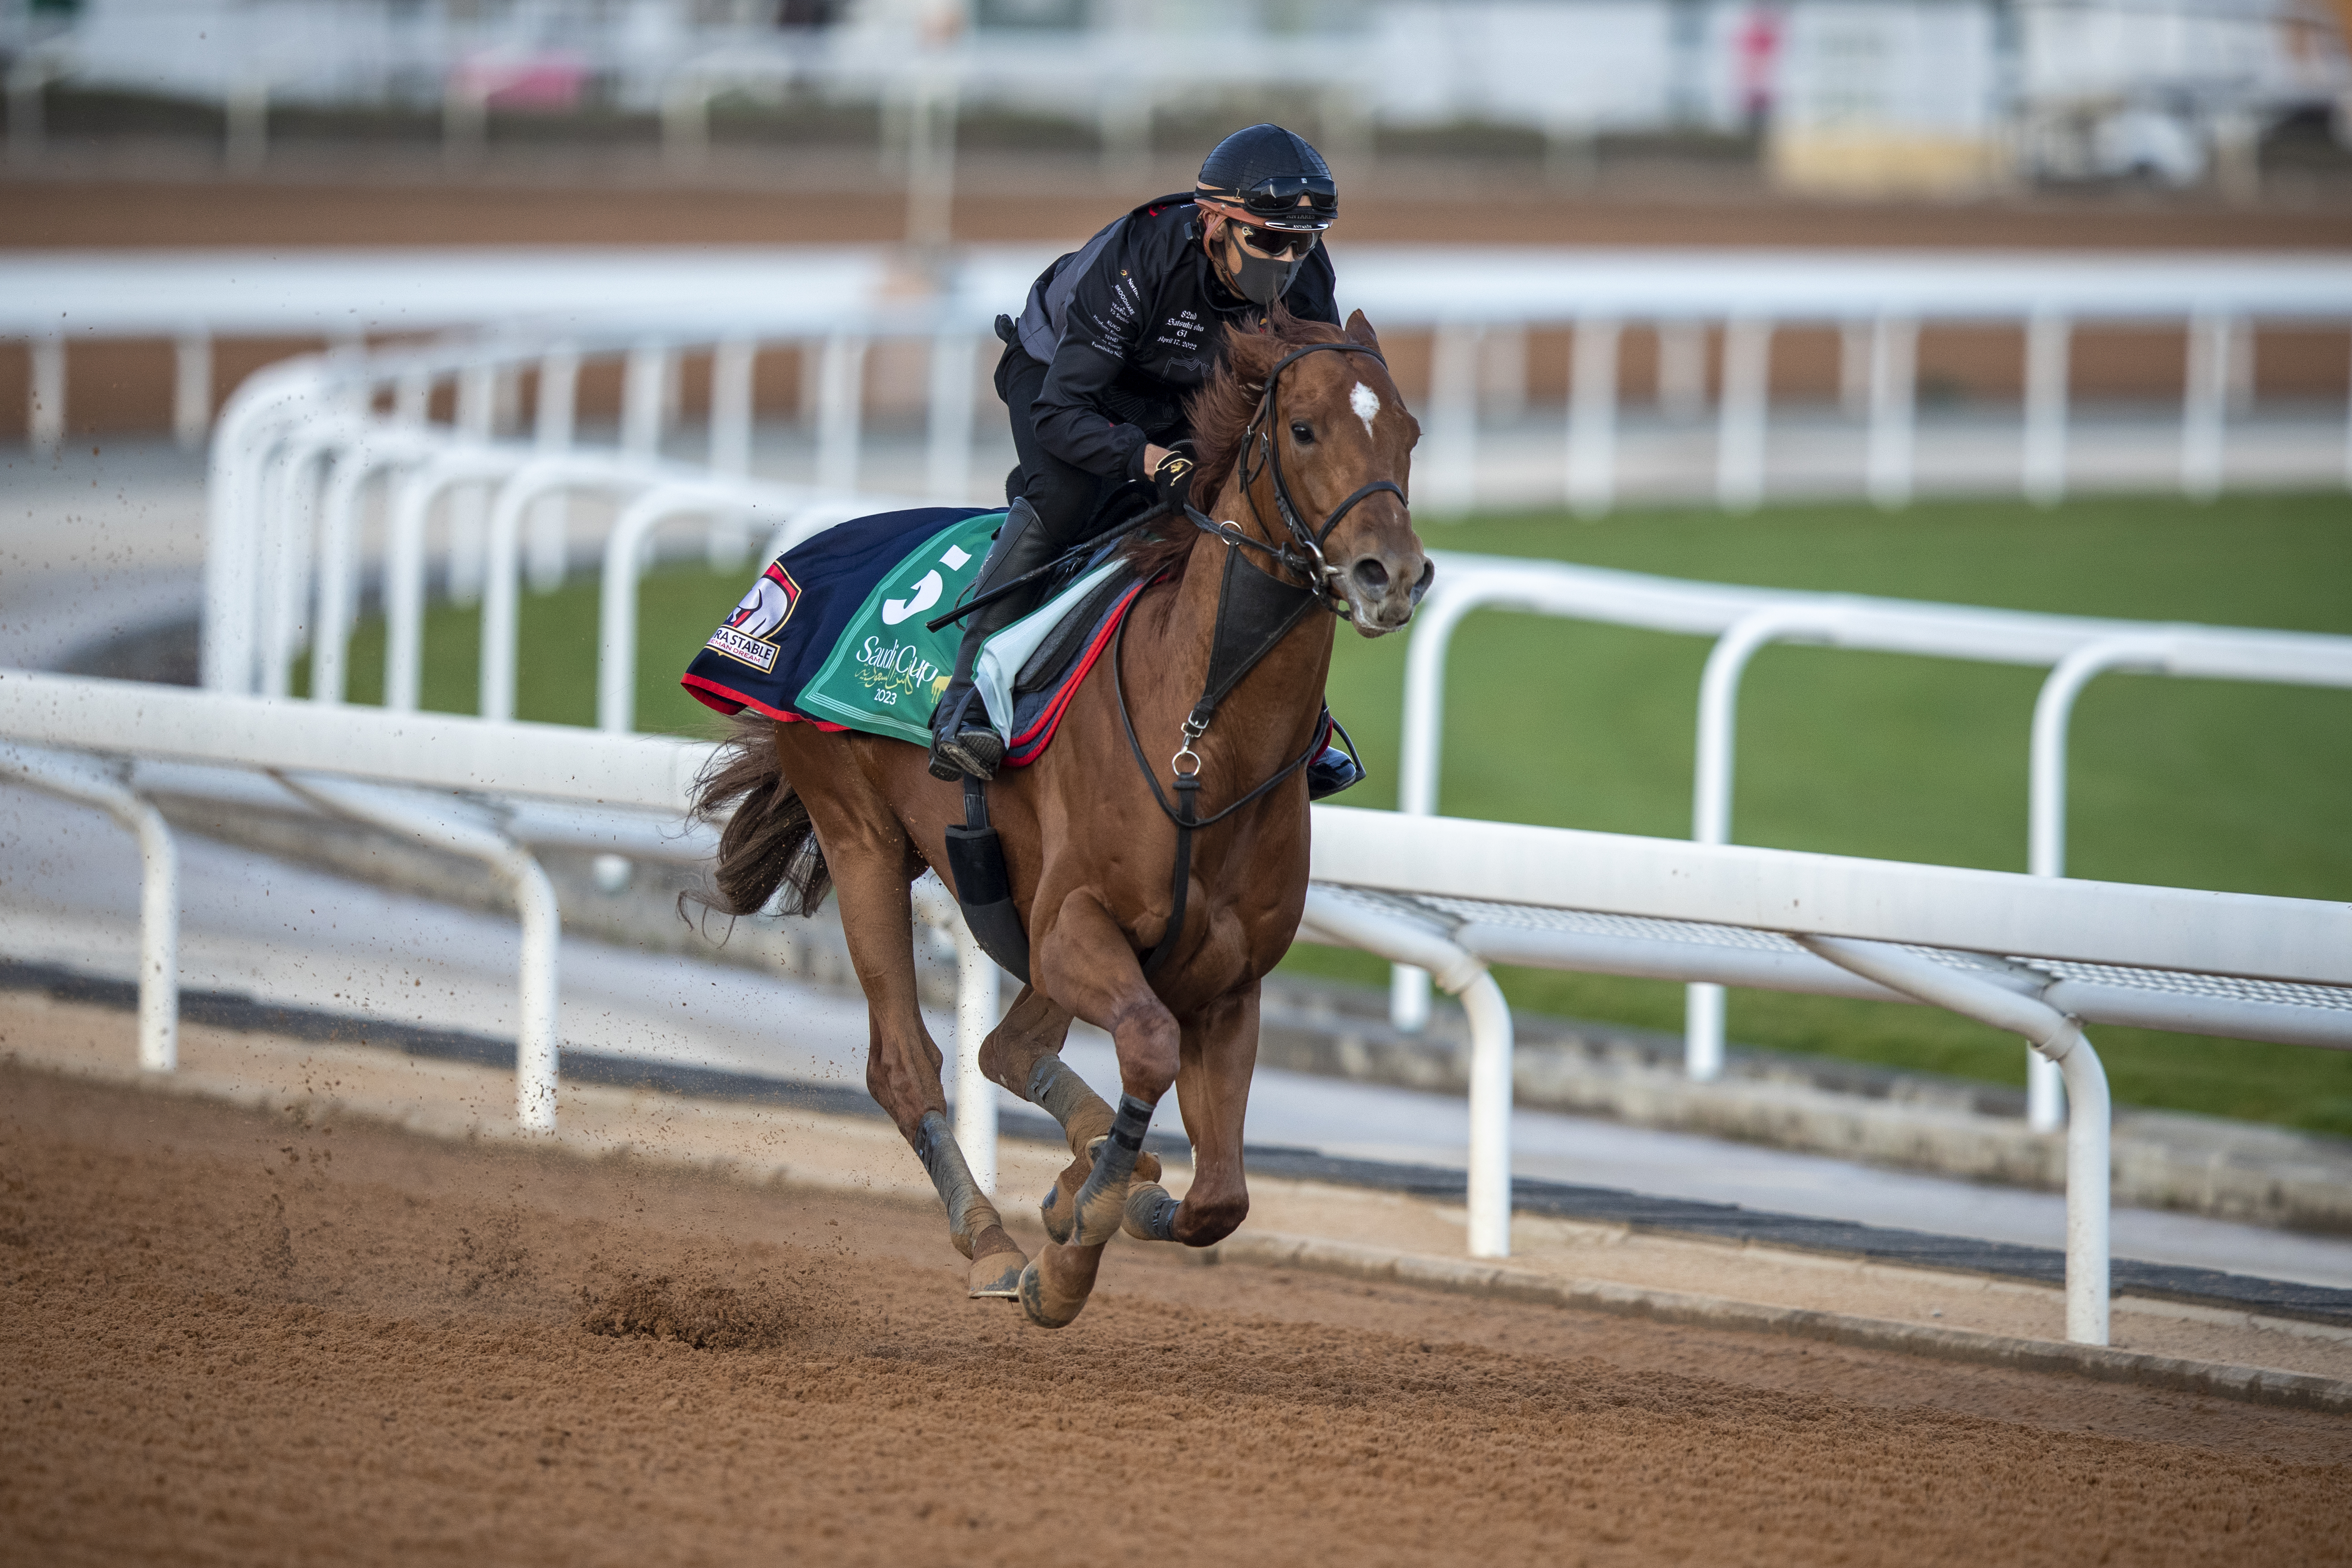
(1066, 497)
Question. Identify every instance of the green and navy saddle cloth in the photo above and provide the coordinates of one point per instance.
(833, 633)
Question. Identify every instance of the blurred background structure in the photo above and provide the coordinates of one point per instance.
(1856, 96)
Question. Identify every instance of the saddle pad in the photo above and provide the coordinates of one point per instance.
(1099, 602)
(831, 633)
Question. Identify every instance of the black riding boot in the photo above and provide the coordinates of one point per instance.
(962, 738)
(1333, 769)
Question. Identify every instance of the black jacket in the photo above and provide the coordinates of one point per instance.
(1130, 322)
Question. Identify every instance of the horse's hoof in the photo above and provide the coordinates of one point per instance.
(1056, 1283)
(998, 1276)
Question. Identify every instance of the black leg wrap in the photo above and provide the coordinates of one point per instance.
(1102, 1202)
(1150, 1213)
(1059, 1090)
(943, 1161)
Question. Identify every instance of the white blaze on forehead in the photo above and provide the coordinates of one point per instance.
(1366, 403)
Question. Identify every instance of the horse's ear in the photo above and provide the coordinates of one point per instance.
(1361, 330)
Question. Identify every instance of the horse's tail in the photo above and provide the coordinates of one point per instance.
(768, 841)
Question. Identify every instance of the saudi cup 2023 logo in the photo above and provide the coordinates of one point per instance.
(749, 636)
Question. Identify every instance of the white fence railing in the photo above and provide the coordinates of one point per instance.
(1744, 621)
(1448, 894)
(833, 305)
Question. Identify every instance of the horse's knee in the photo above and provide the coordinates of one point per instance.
(1202, 1221)
(1149, 1045)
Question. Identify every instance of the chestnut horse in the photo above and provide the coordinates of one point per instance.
(1305, 447)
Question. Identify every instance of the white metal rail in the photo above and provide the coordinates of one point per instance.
(1449, 894)
(836, 303)
(1744, 621)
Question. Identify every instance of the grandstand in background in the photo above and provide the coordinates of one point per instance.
(1862, 97)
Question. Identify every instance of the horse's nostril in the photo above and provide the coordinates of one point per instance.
(1372, 575)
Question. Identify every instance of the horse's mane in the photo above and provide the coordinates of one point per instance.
(1219, 414)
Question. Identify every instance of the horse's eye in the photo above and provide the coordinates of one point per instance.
(1302, 432)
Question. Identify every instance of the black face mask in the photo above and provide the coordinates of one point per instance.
(1263, 279)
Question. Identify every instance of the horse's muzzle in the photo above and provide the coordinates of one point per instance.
(1384, 586)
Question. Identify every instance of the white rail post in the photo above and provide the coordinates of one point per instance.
(841, 396)
(616, 628)
(641, 399)
(978, 1008)
(475, 405)
(338, 573)
(1747, 389)
(731, 364)
(411, 398)
(46, 420)
(554, 417)
(1503, 372)
(191, 388)
(1424, 734)
(1592, 417)
(1894, 380)
(1718, 719)
(1490, 1116)
(2056, 1036)
(1681, 369)
(931, 162)
(452, 826)
(1452, 483)
(286, 564)
(1465, 975)
(2048, 340)
(70, 776)
(955, 360)
(1855, 346)
(2053, 714)
(2204, 405)
(728, 537)
(250, 424)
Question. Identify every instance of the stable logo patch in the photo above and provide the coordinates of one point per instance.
(749, 636)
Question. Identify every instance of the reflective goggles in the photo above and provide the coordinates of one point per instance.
(1273, 243)
(1276, 200)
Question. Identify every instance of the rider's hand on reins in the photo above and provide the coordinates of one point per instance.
(1172, 479)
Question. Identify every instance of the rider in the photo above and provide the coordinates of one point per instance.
(1095, 373)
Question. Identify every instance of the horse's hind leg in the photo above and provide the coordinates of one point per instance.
(1023, 1054)
(870, 861)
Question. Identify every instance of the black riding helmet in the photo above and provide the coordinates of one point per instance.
(1264, 171)
(1286, 188)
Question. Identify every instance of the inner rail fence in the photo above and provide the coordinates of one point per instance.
(1744, 621)
(1716, 315)
(299, 446)
(2037, 955)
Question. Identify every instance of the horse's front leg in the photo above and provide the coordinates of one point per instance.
(902, 1062)
(1220, 1051)
(1085, 961)
(1023, 1054)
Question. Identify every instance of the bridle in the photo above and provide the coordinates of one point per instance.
(1263, 608)
(1304, 553)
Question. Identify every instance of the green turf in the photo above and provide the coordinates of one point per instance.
(2191, 784)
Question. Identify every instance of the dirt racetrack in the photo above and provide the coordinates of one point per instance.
(231, 1336)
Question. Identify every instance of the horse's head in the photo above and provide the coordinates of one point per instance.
(1341, 444)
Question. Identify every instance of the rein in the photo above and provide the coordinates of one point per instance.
(1260, 609)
